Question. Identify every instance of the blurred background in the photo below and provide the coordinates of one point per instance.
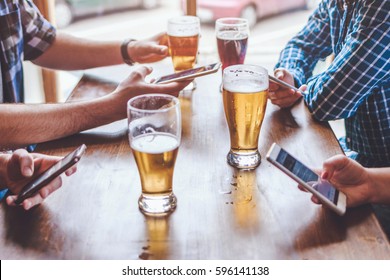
(273, 23)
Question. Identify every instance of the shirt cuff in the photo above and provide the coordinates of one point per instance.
(2, 194)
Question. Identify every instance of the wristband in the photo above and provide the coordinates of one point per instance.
(125, 55)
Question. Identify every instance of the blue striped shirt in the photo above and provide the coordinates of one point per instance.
(356, 86)
(24, 35)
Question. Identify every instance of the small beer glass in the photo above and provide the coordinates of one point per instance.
(245, 90)
(154, 122)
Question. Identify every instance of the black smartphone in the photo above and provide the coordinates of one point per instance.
(50, 174)
(188, 74)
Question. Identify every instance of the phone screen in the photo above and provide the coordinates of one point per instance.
(185, 73)
(307, 175)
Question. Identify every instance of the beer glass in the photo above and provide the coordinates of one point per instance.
(183, 40)
(245, 90)
(154, 122)
(232, 40)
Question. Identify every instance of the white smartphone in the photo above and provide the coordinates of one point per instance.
(188, 74)
(284, 84)
(307, 178)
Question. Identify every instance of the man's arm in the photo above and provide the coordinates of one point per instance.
(304, 50)
(72, 53)
(26, 124)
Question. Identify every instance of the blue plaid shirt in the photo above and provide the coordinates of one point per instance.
(24, 35)
(356, 86)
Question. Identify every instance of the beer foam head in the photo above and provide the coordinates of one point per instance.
(232, 35)
(155, 143)
(183, 26)
(245, 78)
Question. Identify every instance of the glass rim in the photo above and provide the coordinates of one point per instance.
(175, 100)
(240, 21)
(176, 20)
(242, 66)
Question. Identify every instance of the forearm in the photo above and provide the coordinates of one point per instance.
(380, 183)
(71, 53)
(27, 124)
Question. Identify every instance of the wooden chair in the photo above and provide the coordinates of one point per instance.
(191, 7)
(49, 77)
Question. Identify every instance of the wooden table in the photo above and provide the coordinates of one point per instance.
(222, 213)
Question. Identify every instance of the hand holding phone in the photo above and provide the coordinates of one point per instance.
(189, 74)
(308, 179)
(284, 84)
(31, 188)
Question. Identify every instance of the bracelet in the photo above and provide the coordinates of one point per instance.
(125, 55)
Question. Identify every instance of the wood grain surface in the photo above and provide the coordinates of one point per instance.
(222, 213)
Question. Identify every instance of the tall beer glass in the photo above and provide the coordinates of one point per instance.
(183, 40)
(154, 133)
(245, 90)
(232, 40)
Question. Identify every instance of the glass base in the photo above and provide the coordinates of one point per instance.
(244, 160)
(157, 205)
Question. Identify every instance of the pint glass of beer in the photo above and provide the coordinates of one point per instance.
(154, 122)
(232, 40)
(245, 90)
(183, 40)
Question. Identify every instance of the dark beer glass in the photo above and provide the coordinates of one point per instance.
(232, 40)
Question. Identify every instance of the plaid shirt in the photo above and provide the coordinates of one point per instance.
(24, 35)
(356, 86)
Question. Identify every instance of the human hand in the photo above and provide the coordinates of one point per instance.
(17, 169)
(135, 84)
(281, 96)
(349, 177)
(149, 50)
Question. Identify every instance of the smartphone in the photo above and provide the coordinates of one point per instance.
(50, 174)
(189, 74)
(284, 84)
(307, 178)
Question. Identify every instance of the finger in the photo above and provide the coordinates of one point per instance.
(10, 200)
(141, 72)
(284, 102)
(285, 93)
(302, 188)
(51, 187)
(273, 86)
(163, 38)
(153, 57)
(42, 194)
(303, 88)
(315, 200)
(71, 170)
(26, 204)
(25, 162)
(332, 164)
(280, 73)
(157, 50)
(169, 87)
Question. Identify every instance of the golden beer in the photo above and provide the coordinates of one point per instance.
(183, 51)
(155, 155)
(245, 89)
(244, 113)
